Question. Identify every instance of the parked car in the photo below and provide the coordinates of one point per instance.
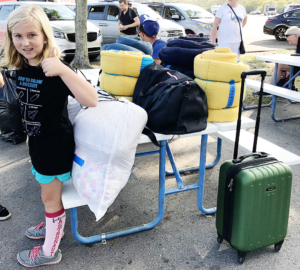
(255, 12)
(214, 9)
(62, 22)
(194, 19)
(277, 25)
(292, 6)
(105, 16)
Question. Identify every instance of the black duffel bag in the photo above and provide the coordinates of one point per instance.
(174, 102)
(11, 127)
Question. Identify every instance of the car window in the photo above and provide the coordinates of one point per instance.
(170, 11)
(295, 14)
(112, 14)
(196, 12)
(96, 13)
(58, 12)
(5, 11)
(157, 9)
(143, 9)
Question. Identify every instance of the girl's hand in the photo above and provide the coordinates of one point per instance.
(1, 81)
(53, 66)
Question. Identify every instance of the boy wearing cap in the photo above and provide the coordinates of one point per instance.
(149, 29)
(127, 20)
(292, 35)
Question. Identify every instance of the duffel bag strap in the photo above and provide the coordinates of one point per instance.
(146, 131)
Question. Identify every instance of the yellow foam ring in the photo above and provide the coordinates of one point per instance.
(218, 71)
(222, 54)
(225, 115)
(120, 86)
(217, 93)
(122, 62)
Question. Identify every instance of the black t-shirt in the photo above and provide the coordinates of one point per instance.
(126, 19)
(43, 102)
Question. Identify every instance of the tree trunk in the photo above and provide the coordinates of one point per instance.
(81, 59)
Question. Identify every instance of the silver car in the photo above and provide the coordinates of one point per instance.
(105, 16)
(194, 19)
(63, 25)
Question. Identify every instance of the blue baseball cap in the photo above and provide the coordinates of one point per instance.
(150, 25)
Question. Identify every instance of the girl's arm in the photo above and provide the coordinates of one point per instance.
(83, 91)
(214, 29)
(1, 81)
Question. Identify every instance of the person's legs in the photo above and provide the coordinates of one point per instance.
(4, 213)
(55, 215)
(55, 222)
(124, 35)
(281, 68)
(235, 48)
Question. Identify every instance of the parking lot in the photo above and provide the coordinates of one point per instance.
(185, 239)
(254, 38)
(256, 41)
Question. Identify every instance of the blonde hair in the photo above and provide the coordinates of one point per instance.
(27, 14)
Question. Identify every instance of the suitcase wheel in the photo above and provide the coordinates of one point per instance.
(241, 260)
(242, 256)
(278, 246)
(220, 239)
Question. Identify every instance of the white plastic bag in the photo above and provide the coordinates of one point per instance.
(92, 75)
(106, 139)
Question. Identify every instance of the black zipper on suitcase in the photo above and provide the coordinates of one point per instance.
(230, 190)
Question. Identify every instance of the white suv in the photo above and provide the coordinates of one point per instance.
(62, 20)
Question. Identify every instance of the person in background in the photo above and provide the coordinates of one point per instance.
(148, 31)
(292, 35)
(4, 214)
(229, 29)
(128, 21)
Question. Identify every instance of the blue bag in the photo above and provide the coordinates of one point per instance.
(119, 47)
(136, 42)
(182, 43)
(183, 57)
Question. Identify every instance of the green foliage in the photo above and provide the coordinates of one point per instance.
(52, 14)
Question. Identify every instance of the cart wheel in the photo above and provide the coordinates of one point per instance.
(241, 260)
(220, 239)
(277, 247)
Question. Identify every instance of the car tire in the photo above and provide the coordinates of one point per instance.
(189, 32)
(94, 56)
(279, 33)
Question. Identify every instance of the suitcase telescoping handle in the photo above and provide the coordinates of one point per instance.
(244, 74)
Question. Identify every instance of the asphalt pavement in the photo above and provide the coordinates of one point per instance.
(256, 41)
(185, 238)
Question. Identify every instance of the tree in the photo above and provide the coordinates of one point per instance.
(81, 59)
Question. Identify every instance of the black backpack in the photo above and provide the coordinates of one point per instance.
(174, 102)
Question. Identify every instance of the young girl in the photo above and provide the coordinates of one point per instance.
(43, 86)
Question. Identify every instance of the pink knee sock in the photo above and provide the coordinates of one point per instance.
(55, 223)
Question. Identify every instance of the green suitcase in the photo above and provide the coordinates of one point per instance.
(253, 196)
